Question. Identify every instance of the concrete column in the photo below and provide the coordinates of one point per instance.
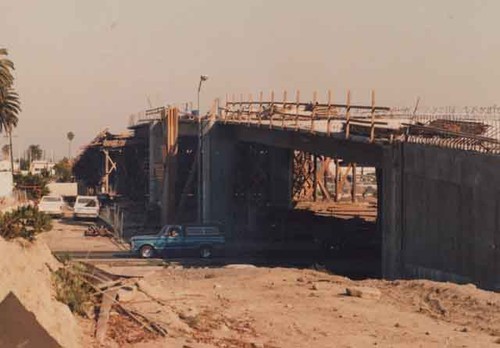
(280, 185)
(390, 199)
(155, 162)
(218, 176)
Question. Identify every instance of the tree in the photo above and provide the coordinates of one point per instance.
(63, 170)
(35, 185)
(9, 109)
(35, 152)
(6, 67)
(10, 105)
(70, 137)
(9, 100)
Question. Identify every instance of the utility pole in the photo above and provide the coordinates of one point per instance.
(200, 154)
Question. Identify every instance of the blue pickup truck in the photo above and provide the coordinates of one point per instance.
(176, 240)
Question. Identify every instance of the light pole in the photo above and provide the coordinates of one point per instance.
(200, 154)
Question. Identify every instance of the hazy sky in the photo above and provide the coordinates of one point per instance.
(88, 64)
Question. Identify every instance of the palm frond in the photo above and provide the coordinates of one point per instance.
(10, 107)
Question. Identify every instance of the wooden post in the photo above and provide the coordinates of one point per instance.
(271, 107)
(260, 107)
(214, 109)
(328, 130)
(106, 171)
(313, 113)
(233, 106)
(337, 180)
(171, 120)
(240, 107)
(348, 115)
(250, 108)
(315, 178)
(297, 103)
(353, 183)
(372, 128)
(225, 109)
(217, 108)
(284, 110)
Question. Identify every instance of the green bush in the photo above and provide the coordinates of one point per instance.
(25, 222)
(35, 185)
(72, 290)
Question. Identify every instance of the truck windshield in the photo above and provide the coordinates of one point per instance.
(88, 202)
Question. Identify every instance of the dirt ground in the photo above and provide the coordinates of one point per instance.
(245, 306)
(67, 235)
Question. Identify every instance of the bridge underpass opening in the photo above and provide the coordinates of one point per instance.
(291, 207)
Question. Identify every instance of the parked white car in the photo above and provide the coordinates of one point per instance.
(51, 205)
(86, 207)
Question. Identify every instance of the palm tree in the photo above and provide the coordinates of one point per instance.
(70, 137)
(9, 109)
(9, 100)
(6, 67)
(35, 152)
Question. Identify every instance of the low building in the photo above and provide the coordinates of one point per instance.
(37, 167)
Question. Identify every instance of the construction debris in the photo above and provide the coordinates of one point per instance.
(102, 322)
(465, 127)
(94, 230)
(111, 294)
(363, 292)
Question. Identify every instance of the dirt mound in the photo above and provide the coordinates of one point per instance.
(464, 305)
(25, 271)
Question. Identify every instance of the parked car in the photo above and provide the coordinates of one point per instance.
(86, 207)
(201, 240)
(51, 205)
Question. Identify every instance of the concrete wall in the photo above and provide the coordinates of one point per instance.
(6, 184)
(441, 215)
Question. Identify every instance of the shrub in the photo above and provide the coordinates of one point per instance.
(72, 290)
(25, 222)
(35, 185)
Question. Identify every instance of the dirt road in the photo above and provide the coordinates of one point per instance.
(245, 306)
(67, 235)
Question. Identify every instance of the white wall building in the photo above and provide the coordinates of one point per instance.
(36, 167)
(6, 184)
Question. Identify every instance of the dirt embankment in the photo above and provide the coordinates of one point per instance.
(25, 271)
(247, 307)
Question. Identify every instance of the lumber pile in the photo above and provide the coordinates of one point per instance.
(440, 126)
(114, 318)
(363, 127)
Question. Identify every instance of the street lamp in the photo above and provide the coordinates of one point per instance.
(200, 154)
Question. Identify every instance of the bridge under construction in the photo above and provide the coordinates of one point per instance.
(427, 181)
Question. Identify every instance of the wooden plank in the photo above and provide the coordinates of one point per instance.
(348, 115)
(372, 131)
(108, 298)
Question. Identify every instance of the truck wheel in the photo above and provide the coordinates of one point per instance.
(146, 251)
(205, 252)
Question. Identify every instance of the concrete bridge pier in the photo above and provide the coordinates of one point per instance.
(390, 201)
(238, 198)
